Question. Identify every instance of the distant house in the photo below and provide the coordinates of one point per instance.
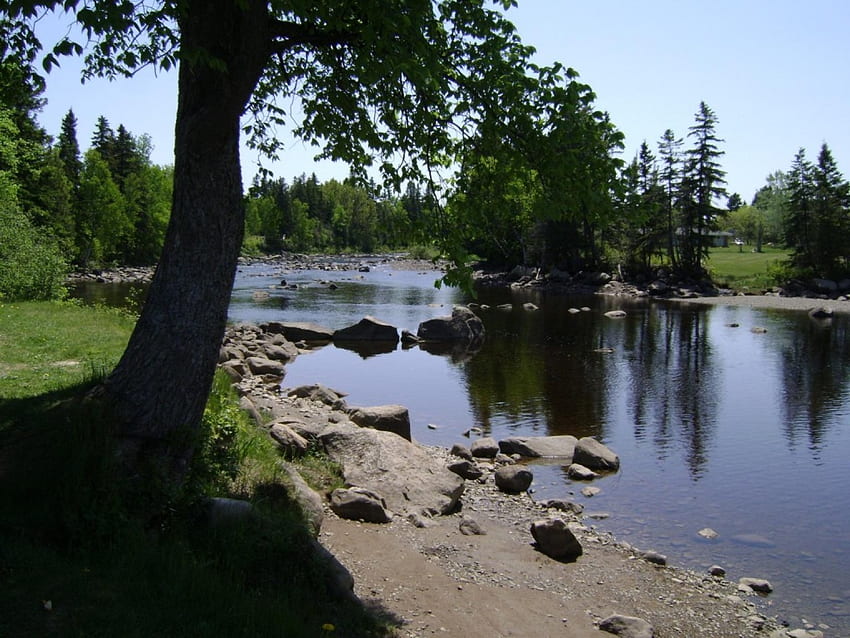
(716, 238)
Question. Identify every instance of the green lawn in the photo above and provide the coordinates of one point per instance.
(740, 268)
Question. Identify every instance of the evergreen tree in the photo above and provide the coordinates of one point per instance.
(831, 196)
(670, 180)
(704, 182)
(103, 140)
(69, 148)
(734, 202)
(799, 223)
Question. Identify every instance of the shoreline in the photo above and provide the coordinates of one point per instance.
(433, 578)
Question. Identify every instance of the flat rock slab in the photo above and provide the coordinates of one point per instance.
(409, 479)
(540, 446)
(298, 331)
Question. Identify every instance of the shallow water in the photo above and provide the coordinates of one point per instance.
(716, 426)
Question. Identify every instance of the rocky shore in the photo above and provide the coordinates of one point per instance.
(452, 541)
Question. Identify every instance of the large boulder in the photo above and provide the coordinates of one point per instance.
(389, 418)
(262, 365)
(555, 539)
(540, 446)
(463, 326)
(513, 479)
(367, 329)
(593, 454)
(307, 499)
(484, 448)
(360, 504)
(404, 473)
(627, 626)
(298, 331)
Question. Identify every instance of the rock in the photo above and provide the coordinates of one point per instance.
(388, 418)
(820, 313)
(825, 286)
(657, 287)
(360, 504)
(320, 393)
(530, 307)
(708, 533)
(461, 451)
(593, 454)
(513, 479)
(590, 491)
(759, 585)
(616, 314)
(246, 405)
(654, 557)
(804, 633)
(228, 511)
(563, 505)
(289, 441)
(470, 527)
(581, 473)
(505, 307)
(408, 477)
(298, 331)
(368, 329)
(262, 365)
(462, 326)
(717, 571)
(573, 311)
(278, 352)
(540, 446)
(466, 469)
(408, 338)
(627, 627)
(341, 582)
(307, 499)
(555, 539)
(485, 447)
(503, 459)
(758, 330)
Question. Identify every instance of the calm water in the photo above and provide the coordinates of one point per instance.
(716, 426)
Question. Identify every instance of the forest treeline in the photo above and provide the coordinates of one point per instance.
(558, 194)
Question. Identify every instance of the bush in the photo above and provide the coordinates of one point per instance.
(31, 266)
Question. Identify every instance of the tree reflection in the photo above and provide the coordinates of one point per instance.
(815, 358)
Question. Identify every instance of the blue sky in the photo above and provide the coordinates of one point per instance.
(776, 73)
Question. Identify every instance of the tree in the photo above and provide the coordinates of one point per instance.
(772, 200)
(830, 199)
(702, 185)
(378, 80)
(670, 177)
(734, 202)
(69, 147)
(799, 224)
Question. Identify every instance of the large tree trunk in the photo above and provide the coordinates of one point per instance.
(159, 388)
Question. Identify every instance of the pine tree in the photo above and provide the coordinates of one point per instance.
(831, 195)
(799, 226)
(103, 140)
(69, 148)
(704, 182)
(670, 180)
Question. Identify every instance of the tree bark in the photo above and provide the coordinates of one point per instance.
(159, 389)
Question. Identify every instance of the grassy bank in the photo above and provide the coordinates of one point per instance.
(85, 552)
(742, 269)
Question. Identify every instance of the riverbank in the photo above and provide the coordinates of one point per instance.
(434, 578)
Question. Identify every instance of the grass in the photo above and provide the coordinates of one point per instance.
(744, 269)
(84, 552)
(45, 346)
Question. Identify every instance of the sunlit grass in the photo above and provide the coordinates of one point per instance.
(741, 268)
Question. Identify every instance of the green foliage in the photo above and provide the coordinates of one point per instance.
(747, 270)
(31, 264)
(817, 222)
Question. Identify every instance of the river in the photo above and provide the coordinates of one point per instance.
(717, 425)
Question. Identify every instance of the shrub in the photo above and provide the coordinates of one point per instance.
(31, 266)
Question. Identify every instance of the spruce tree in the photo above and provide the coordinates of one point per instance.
(704, 182)
(799, 226)
(831, 195)
(69, 148)
(670, 180)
